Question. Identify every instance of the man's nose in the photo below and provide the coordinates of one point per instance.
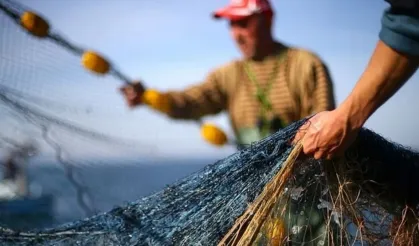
(238, 33)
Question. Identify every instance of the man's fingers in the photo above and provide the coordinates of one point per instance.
(308, 146)
(131, 95)
(298, 136)
(308, 149)
(304, 128)
(129, 92)
(319, 154)
(301, 132)
(330, 156)
(126, 90)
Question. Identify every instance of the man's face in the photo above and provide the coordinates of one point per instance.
(248, 34)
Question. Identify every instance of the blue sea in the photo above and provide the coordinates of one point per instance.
(108, 185)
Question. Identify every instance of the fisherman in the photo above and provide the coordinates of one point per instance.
(394, 60)
(272, 86)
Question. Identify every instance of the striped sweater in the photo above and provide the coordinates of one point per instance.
(302, 86)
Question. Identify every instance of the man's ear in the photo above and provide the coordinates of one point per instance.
(270, 19)
(267, 19)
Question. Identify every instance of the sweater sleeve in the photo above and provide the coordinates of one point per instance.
(206, 98)
(400, 26)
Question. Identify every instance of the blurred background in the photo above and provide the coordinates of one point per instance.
(168, 45)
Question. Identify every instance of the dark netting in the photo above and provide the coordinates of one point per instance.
(266, 194)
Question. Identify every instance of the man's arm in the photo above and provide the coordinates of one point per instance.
(209, 97)
(393, 62)
(198, 100)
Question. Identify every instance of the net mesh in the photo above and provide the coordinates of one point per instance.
(38, 80)
(265, 194)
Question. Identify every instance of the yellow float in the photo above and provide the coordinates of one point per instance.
(95, 63)
(277, 232)
(213, 134)
(34, 24)
(160, 102)
(156, 100)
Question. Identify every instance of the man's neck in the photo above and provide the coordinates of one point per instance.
(269, 48)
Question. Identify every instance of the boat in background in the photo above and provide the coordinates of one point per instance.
(23, 206)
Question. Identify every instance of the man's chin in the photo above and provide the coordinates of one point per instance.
(248, 55)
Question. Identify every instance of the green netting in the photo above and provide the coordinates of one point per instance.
(265, 194)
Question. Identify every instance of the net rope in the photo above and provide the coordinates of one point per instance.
(265, 194)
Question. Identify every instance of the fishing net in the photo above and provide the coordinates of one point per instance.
(266, 194)
(39, 78)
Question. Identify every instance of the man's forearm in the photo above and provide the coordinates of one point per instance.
(392, 64)
(386, 72)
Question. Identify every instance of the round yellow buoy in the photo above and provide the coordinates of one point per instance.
(95, 63)
(156, 100)
(213, 134)
(34, 24)
(277, 232)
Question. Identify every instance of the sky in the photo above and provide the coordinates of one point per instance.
(174, 44)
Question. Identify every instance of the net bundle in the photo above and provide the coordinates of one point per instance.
(266, 194)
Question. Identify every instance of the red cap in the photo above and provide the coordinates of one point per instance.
(238, 9)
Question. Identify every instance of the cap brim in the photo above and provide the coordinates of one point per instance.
(229, 13)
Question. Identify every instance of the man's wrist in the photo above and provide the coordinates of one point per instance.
(354, 112)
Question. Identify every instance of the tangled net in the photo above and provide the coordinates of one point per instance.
(260, 195)
(265, 194)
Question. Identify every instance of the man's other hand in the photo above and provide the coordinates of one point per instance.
(327, 134)
(133, 93)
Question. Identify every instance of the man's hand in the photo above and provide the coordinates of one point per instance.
(133, 93)
(327, 134)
